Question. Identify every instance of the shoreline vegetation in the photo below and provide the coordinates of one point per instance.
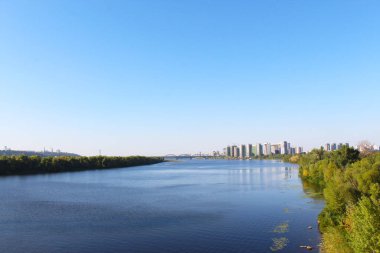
(350, 184)
(29, 165)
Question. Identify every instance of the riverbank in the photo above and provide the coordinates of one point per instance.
(25, 165)
(350, 183)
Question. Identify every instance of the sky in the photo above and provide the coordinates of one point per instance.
(156, 77)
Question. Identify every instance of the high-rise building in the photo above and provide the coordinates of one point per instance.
(327, 147)
(340, 145)
(299, 150)
(267, 149)
(273, 148)
(243, 151)
(249, 150)
(276, 149)
(259, 149)
(228, 151)
(233, 150)
(333, 146)
(284, 148)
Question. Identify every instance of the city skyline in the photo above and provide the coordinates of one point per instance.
(249, 150)
(328, 146)
(157, 77)
(261, 149)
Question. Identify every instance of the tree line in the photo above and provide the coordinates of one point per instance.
(21, 165)
(350, 182)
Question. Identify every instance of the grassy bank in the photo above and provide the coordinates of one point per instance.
(350, 221)
(22, 165)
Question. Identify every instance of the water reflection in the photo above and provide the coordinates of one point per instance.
(312, 191)
(262, 177)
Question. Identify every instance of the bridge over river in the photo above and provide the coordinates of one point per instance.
(186, 156)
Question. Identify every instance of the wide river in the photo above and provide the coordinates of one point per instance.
(185, 206)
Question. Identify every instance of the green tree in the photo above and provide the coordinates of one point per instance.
(364, 226)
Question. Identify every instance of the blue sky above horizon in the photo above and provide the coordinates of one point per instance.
(154, 77)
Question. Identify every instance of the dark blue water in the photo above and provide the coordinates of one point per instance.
(188, 206)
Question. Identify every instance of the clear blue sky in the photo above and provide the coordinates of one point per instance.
(168, 76)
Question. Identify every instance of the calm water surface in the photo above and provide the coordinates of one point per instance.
(186, 206)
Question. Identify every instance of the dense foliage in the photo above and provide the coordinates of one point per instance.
(19, 165)
(350, 221)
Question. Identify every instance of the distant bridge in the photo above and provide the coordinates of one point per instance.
(186, 156)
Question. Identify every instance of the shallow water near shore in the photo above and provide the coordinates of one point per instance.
(185, 206)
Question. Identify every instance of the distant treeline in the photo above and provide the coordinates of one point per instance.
(9, 152)
(350, 221)
(21, 165)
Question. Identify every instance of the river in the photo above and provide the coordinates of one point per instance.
(183, 206)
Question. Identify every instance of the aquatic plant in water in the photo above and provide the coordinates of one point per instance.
(282, 228)
(279, 243)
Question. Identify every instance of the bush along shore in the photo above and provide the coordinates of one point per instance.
(350, 221)
(22, 165)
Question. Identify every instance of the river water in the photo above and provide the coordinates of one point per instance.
(184, 206)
